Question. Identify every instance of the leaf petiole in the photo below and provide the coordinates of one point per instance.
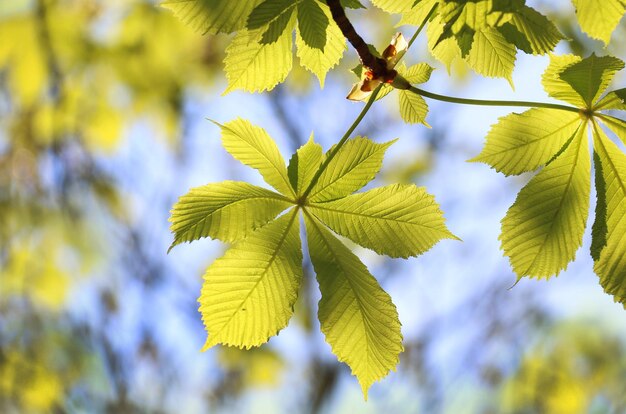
(482, 102)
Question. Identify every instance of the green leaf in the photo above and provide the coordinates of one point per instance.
(254, 66)
(609, 247)
(443, 49)
(304, 164)
(544, 228)
(357, 317)
(228, 211)
(354, 165)
(418, 13)
(413, 108)
(491, 55)
(557, 87)
(531, 32)
(394, 6)
(417, 74)
(613, 100)
(312, 24)
(591, 76)
(398, 220)
(254, 147)
(616, 125)
(317, 61)
(599, 18)
(212, 16)
(524, 142)
(277, 27)
(248, 294)
(269, 11)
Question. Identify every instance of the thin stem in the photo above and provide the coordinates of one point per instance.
(342, 141)
(421, 26)
(481, 102)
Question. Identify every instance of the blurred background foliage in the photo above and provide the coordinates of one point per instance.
(101, 128)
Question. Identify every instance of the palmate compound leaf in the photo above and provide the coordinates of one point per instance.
(261, 56)
(486, 33)
(254, 147)
(212, 16)
(524, 142)
(543, 229)
(354, 165)
(357, 316)
(599, 18)
(398, 220)
(227, 211)
(248, 294)
(608, 248)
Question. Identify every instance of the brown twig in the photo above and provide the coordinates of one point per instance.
(377, 65)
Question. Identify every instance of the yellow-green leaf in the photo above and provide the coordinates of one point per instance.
(413, 108)
(312, 24)
(254, 66)
(491, 55)
(416, 74)
(248, 294)
(609, 236)
(304, 164)
(557, 87)
(357, 316)
(212, 16)
(531, 31)
(317, 61)
(598, 18)
(524, 142)
(254, 147)
(612, 100)
(398, 220)
(591, 76)
(544, 228)
(354, 165)
(228, 211)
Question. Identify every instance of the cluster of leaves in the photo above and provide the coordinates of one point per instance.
(261, 53)
(544, 228)
(249, 293)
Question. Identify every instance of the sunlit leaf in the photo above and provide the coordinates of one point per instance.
(591, 76)
(557, 87)
(609, 243)
(228, 211)
(413, 108)
(524, 142)
(613, 100)
(357, 316)
(254, 147)
(396, 220)
(491, 55)
(543, 229)
(254, 66)
(248, 294)
(304, 164)
(599, 18)
(312, 24)
(531, 31)
(317, 61)
(354, 165)
(212, 16)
